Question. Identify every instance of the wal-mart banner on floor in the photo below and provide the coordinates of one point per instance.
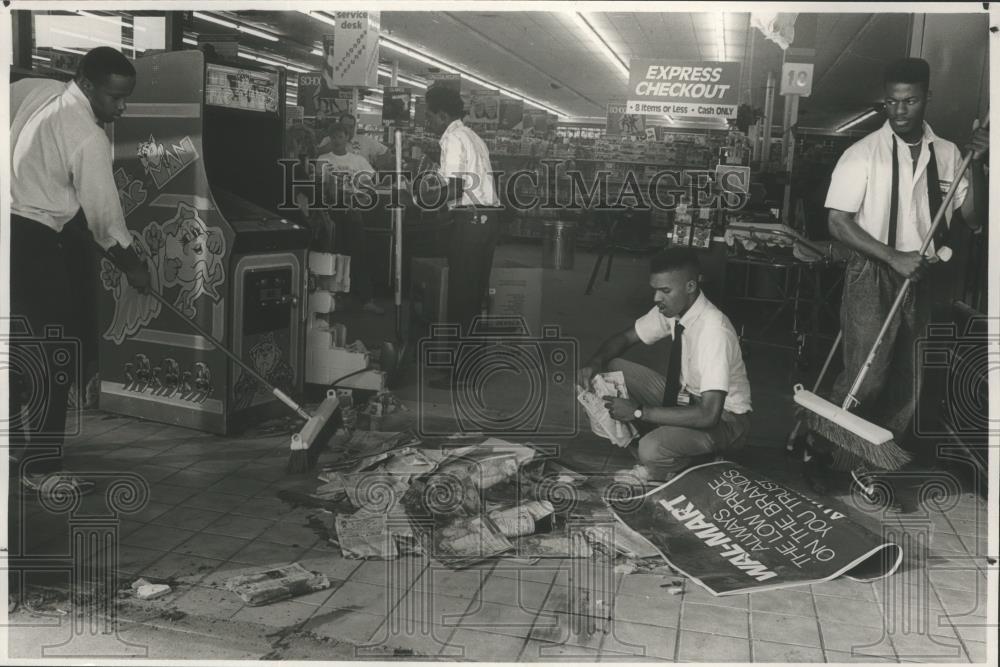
(734, 531)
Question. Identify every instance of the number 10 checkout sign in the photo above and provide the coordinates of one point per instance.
(797, 79)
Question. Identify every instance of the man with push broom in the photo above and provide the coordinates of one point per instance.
(884, 196)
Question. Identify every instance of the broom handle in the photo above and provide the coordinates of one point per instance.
(280, 395)
(819, 380)
(850, 401)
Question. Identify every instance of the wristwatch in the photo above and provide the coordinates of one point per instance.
(638, 413)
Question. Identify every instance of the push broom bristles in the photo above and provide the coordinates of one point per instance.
(854, 437)
(306, 443)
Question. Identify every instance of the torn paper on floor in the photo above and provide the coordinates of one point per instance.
(365, 535)
(275, 584)
(601, 422)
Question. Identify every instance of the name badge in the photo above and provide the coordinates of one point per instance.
(683, 398)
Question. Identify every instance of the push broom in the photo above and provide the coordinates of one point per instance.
(317, 425)
(853, 436)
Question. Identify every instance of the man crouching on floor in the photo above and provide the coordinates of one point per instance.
(702, 407)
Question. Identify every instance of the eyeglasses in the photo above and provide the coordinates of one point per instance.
(908, 102)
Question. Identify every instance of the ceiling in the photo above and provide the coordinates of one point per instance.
(546, 56)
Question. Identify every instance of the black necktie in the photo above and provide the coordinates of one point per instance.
(933, 198)
(673, 385)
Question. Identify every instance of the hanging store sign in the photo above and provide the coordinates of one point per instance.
(484, 110)
(683, 88)
(320, 101)
(511, 113)
(396, 103)
(535, 122)
(447, 80)
(350, 54)
(622, 123)
(797, 79)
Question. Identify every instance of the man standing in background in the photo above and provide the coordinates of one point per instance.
(466, 176)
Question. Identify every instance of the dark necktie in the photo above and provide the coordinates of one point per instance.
(673, 385)
(933, 198)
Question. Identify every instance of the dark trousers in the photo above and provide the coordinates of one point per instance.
(45, 343)
(666, 450)
(474, 234)
(890, 391)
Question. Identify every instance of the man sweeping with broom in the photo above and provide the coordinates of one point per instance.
(884, 195)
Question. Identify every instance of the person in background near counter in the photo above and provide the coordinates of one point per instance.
(371, 149)
(344, 171)
(701, 408)
(468, 190)
(60, 167)
(884, 230)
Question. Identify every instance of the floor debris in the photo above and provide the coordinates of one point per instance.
(275, 584)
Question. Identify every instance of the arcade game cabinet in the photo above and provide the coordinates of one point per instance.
(197, 167)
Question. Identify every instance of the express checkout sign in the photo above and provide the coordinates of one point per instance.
(684, 88)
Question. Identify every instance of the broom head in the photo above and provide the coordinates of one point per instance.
(852, 435)
(305, 444)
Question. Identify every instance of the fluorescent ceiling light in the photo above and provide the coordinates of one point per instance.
(268, 61)
(238, 26)
(588, 29)
(69, 50)
(320, 16)
(42, 58)
(188, 40)
(720, 34)
(88, 38)
(257, 33)
(399, 47)
(416, 55)
(863, 117)
(214, 19)
(384, 71)
(440, 64)
(317, 52)
(111, 19)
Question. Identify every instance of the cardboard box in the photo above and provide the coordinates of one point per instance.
(515, 290)
(429, 288)
(370, 380)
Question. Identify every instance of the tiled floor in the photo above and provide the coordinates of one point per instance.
(212, 515)
(212, 512)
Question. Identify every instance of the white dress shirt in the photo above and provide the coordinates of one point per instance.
(711, 359)
(465, 156)
(862, 184)
(61, 161)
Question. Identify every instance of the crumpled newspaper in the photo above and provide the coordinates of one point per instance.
(601, 422)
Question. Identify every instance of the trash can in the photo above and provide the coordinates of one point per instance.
(559, 244)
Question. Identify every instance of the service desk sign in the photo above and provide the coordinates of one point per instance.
(683, 88)
(351, 52)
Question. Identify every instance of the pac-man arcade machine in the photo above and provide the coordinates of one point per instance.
(197, 167)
